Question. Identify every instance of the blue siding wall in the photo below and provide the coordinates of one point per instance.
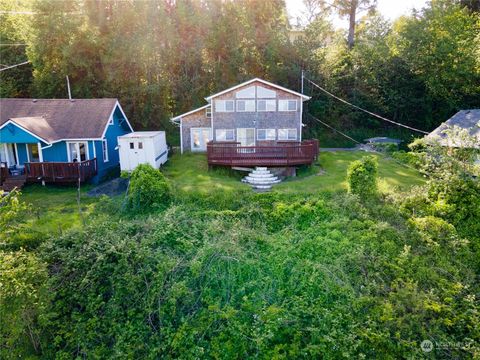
(56, 152)
(13, 134)
(118, 128)
(22, 153)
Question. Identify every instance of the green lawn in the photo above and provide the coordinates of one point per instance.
(189, 172)
(330, 172)
(55, 208)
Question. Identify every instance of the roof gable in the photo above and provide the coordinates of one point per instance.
(59, 119)
(304, 97)
(465, 119)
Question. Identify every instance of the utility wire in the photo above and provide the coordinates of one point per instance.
(12, 66)
(366, 111)
(13, 44)
(332, 128)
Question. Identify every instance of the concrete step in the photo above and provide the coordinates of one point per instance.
(261, 168)
(257, 172)
(261, 181)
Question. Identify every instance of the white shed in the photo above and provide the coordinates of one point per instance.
(142, 147)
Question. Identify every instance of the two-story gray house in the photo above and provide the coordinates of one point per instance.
(254, 113)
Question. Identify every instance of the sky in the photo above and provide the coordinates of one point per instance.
(391, 9)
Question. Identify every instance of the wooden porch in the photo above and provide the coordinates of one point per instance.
(49, 172)
(61, 172)
(281, 154)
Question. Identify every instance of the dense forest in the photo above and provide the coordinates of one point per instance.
(163, 57)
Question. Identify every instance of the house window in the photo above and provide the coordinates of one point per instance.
(245, 105)
(248, 92)
(140, 145)
(265, 134)
(132, 146)
(208, 112)
(224, 106)
(266, 105)
(105, 150)
(224, 135)
(77, 151)
(265, 93)
(287, 134)
(287, 105)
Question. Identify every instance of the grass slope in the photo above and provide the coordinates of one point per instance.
(55, 208)
(189, 172)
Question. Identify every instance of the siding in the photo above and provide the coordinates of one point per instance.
(13, 134)
(258, 120)
(118, 128)
(194, 120)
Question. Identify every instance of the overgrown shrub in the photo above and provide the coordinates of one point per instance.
(149, 190)
(362, 176)
(408, 158)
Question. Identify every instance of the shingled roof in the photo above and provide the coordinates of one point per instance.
(58, 119)
(465, 119)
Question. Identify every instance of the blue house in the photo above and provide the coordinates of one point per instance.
(60, 140)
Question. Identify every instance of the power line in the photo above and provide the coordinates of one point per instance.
(366, 111)
(12, 66)
(332, 128)
(13, 44)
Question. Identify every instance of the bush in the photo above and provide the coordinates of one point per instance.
(149, 190)
(408, 158)
(362, 176)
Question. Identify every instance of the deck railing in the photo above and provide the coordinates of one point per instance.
(281, 154)
(61, 172)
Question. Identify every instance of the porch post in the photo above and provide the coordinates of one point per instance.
(6, 154)
(40, 153)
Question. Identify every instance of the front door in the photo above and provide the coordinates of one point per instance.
(199, 138)
(32, 153)
(136, 154)
(246, 136)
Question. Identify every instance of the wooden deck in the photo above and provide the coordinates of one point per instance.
(61, 172)
(279, 155)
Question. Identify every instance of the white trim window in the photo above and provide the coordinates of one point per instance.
(266, 105)
(287, 134)
(245, 105)
(287, 105)
(105, 150)
(248, 92)
(224, 105)
(266, 134)
(77, 151)
(208, 112)
(224, 135)
(265, 93)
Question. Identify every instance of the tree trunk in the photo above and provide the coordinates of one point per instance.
(351, 28)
